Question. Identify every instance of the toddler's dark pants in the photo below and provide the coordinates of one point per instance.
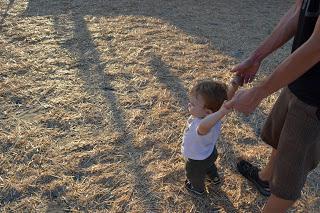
(196, 170)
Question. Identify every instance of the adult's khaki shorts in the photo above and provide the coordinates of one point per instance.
(293, 129)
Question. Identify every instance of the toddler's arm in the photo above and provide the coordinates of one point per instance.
(235, 83)
(209, 121)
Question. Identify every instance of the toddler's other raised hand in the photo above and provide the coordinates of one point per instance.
(247, 69)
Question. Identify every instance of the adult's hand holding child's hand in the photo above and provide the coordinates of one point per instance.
(246, 100)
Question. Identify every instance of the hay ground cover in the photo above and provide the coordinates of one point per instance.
(93, 101)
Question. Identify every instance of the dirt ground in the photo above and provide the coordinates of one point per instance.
(93, 101)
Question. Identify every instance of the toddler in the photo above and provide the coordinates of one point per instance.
(207, 108)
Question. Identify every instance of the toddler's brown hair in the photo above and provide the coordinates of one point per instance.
(214, 93)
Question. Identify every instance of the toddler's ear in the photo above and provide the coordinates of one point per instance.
(208, 111)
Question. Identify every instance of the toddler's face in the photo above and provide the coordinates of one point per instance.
(196, 106)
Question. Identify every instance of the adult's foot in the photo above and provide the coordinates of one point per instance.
(252, 174)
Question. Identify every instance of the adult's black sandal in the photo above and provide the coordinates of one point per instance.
(252, 174)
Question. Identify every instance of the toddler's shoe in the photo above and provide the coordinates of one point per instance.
(190, 188)
(215, 180)
(213, 176)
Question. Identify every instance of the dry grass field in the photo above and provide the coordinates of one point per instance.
(93, 98)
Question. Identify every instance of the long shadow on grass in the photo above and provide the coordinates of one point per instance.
(166, 77)
(5, 14)
(183, 14)
(197, 18)
(91, 70)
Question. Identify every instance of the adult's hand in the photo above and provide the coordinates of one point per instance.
(246, 100)
(247, 69)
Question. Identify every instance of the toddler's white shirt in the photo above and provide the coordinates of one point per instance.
(195, 146)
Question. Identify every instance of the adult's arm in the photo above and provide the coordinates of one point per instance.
(283, 32)
(295, 65)
(299, 62)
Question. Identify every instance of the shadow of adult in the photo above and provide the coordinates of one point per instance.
(197, 18)
(94, 73)
(225, 27)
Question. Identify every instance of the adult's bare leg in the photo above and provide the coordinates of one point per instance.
(266, 173)
(276, 204)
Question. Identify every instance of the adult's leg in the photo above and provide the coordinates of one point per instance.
(266, 173)
(292, 129)
(297, 154)
(272, 130)
(276, 204)
(270, 134)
